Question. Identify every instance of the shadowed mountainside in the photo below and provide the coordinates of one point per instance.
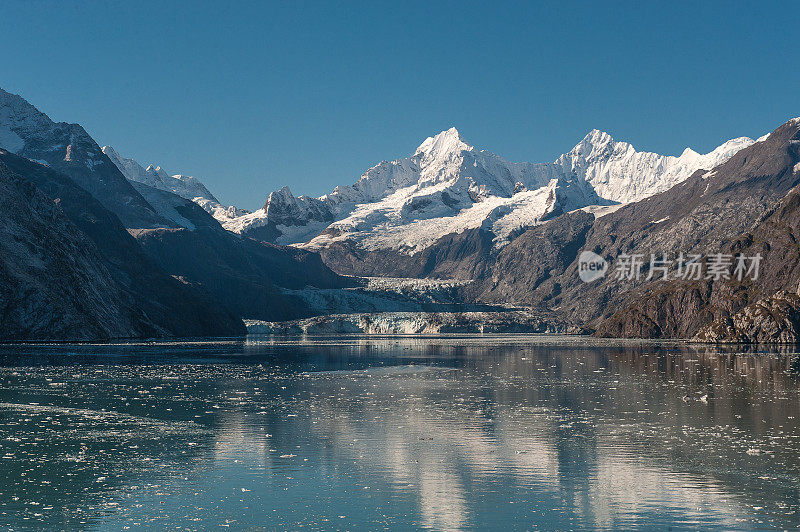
(157, 304)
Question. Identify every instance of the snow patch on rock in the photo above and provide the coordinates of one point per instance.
(9, 140)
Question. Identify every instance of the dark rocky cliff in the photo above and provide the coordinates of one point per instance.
(157, 304)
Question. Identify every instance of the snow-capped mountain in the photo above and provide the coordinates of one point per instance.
(187, 187)
(619, 173)
(184, 186)
(448, 186)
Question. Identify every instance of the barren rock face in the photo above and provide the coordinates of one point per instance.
(74, 273)
(53, 283)
(775, 319)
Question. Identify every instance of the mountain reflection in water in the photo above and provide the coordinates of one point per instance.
(357, 432)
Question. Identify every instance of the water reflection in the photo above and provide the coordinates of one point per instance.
(356, 432)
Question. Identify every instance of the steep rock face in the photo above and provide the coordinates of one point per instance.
(775, 319)
(454, 256)
(674, 311)
(68, 149)
(53, 282)
(531, 264)
(164, 305)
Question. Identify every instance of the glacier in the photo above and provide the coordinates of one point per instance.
(416, 323)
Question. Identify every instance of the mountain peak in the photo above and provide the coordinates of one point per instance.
(596, 137)
(279, 199)
(593, 145)
(445, 143)
(157, 171)
(284, 192)
(17, 103)
(19, 120)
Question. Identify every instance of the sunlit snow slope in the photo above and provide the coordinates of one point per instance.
(449, 186)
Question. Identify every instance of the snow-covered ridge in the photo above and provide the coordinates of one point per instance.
(187, 187)
(184, 186)
(448, 186)
(618, 172)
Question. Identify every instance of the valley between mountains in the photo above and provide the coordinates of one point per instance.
(452, 238)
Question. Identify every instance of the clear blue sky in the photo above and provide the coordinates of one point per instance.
(251, 96)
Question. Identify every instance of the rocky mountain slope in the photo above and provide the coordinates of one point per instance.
(764, 309)
(772, 320)
(70, 271)
(53, 283)
(222, 276)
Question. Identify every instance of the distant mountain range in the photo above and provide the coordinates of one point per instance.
(446, 187)
(157, 254)
(184, 186)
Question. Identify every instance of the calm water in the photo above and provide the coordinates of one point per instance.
(364, 433)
